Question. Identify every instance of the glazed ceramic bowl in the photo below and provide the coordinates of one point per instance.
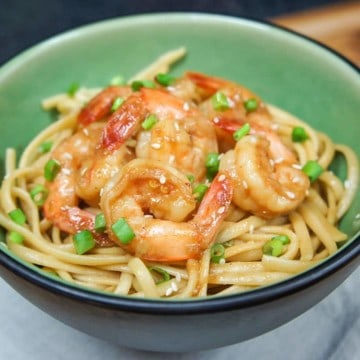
(284, 68)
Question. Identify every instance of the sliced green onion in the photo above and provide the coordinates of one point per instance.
(251, 105)
(240, 133)
(165, 275)
(313, 170)
(18, 216)
(51, 169)
(199, 191)
(83, 241)
(220, 102)
(100, 223)
(117, 103)
(138, 84)
(45, 147)
(39, 194)
(73, 88)
(165, 79)
(117, 80)
(273, 247)
(283, 238)
(149, 122)
(299, 134)
(123, 231)
(16, 237)
(191, 177)
(217, 253)
(212, 165)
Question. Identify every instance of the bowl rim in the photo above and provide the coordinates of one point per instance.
(149, 306)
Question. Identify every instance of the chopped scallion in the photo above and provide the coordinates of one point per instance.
(220, 102)
(299, 134)
(117, 80)
(191, 177)
(39, 194)
(283, 238)
(199, 191)
(52, 167)
(123, 231)
(251, 105)
(240, 133)
(100, 223)
(73, 88)
(18, 216)
(273, 247)
(165, 79)
(217, 253)
(212, 165)
(313, 170)
(117, 103)
(45, 147)
(16, 237)
(83, 241)
(138, 84)
(149, 122)
(165, 275)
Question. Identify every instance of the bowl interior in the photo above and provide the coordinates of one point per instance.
(283, 68)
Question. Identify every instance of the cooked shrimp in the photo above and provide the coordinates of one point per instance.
(156, 201)
(235, 112)
(62, 204)
(100, 105)
(264, 185)
(182, 137)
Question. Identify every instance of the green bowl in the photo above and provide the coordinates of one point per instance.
(285, 69)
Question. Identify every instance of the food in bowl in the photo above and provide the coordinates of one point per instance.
(174, 187)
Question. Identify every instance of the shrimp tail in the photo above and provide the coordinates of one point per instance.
(214, 207)
(123, 123)
(100, 105)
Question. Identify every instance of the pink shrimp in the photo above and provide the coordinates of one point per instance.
(156, 201)
(235, 112)
(182, 137)
(62, 204)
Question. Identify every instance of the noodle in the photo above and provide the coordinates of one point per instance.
(310, 228)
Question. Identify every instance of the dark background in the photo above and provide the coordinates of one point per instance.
(26, 22)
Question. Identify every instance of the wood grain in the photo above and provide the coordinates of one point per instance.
(337, 26)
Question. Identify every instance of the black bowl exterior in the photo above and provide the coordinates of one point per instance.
(157, 329)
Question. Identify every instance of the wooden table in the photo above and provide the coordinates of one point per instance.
(337, 26)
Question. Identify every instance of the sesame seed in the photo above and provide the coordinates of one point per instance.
(216, 120)
(278, 160)
(66, 171)
(162, 179)
(222, 177)
(101, 191)
(174, 286)
(251, 228)
(176, 126)
(169, 291)
(68, 156)
(296, 179)
(186, 106)
(297, 166)
(245, 184)
(275, 126)
(171, 159)
(178, 277)
(86, 131)
(271, 161)
(290, 194)
(155, 146)
(221, 210)
(222, 261)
